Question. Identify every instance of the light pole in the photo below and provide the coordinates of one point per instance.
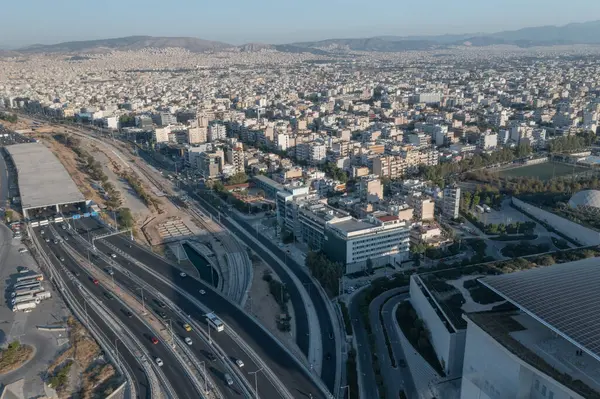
(256, 381)
(142, 292)
(342, 389)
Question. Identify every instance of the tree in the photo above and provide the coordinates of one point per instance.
(238, 178)
(369, 266)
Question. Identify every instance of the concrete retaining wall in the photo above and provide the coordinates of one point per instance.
(583, 235)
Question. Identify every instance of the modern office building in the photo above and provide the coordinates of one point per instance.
(547, 346)
(383, 239)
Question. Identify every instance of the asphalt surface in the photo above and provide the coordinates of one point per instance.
(128, 359)
(396, 378)
(173, 371)
(329, 362)
(280, 361)
(363, 350)
(202, 351)
(389, 321)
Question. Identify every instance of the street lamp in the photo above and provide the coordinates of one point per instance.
(256, 381)
(342, 389)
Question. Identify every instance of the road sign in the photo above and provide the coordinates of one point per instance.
(76, 216)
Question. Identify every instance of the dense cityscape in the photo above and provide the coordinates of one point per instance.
(250, 222)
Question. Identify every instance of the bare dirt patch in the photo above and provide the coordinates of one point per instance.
(80, 369)
(265, 308)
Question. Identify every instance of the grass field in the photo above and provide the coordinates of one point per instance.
(543, 171)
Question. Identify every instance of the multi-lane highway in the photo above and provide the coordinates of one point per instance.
(294, 377)
(154, 304)
(173, 371)
(329, 361)
(129, 360)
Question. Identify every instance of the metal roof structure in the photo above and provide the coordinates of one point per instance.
(564, 297)
(43, 180)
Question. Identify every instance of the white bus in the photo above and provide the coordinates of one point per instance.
(30, 290)
(214, 321)
(31, 277)
(26, 284)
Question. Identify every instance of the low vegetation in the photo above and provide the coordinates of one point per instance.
(14, 356)
(352, 375)
(346, 316)
(12, 118)
(481, 294)
(524, 248)
(415, 331)
(137, 186)
(59, 380)
(282, 297)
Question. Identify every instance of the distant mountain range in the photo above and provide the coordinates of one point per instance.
(575, 33)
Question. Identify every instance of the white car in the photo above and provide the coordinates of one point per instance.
(202, 292)
(22, 250)
(113, 255)
(188, 341)
(239, 363)
(159, 362)
(182, 274)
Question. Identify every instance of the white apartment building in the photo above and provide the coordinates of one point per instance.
(282, 142)
(216, 131)
(488, 141)
(383, 239)
(451, 202)
(235, 157)
(311, 152)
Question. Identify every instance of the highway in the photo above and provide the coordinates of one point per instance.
(281, 362)
(202, 351)
(329, 363)
(173, 371)
(127, 358)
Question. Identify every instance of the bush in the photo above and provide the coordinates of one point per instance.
(524, 248)
(346, 316)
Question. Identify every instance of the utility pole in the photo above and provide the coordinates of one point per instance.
(142, 291)
(256, 381)
(346, 386)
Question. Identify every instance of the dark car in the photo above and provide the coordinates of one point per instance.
(108, 295)
(211, 357)
(127, 313)
(162, 315)
(160, 304)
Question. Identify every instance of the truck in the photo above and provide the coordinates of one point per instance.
(32, 290)
(43, 295)
(479, 208)
(487, 209)
(22, 298)
(29, 305)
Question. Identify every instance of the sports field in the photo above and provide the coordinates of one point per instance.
(543, 171)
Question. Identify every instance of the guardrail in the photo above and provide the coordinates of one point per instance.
(75, 307)
(249, 351)
(191, 375)
(150, 370)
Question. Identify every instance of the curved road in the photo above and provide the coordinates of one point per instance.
(383, 305)
(173, 371)
(279, 360)
(139, 376)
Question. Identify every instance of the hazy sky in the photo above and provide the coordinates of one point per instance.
(275, 21)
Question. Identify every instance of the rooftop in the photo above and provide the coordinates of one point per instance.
(43, 181)
(563, 297)
(352, 225)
